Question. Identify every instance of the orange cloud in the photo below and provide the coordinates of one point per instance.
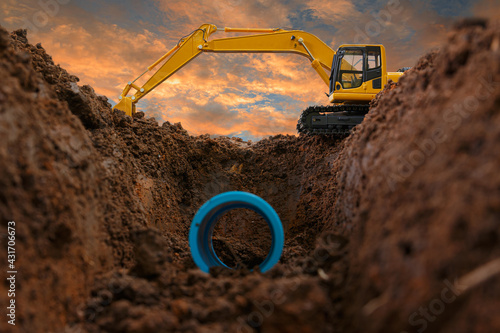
(333, 11)
(487, 8)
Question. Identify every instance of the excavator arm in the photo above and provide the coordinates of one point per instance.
(268, 41)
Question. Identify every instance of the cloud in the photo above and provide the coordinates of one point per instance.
(331, 12)
(487, 8)
(236, 13)
(232, 99)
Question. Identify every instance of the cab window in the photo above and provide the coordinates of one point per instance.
(351, 69)
(373, 59)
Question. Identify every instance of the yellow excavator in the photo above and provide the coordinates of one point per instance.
(354, 74)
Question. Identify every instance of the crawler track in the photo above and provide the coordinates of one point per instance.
(331, 120)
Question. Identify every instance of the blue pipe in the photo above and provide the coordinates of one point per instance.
(202, 227)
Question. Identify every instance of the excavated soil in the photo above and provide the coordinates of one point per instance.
(394, 229)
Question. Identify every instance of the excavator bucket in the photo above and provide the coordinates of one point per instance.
(126, 106)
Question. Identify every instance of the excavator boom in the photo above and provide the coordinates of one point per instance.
(267, 41)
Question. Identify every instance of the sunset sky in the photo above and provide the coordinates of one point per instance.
(107, 43)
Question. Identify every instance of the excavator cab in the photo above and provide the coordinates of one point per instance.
(357, 73)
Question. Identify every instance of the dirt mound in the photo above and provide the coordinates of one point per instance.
(82, 101)
(50, 188)
(377, 226)
(421, 189)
